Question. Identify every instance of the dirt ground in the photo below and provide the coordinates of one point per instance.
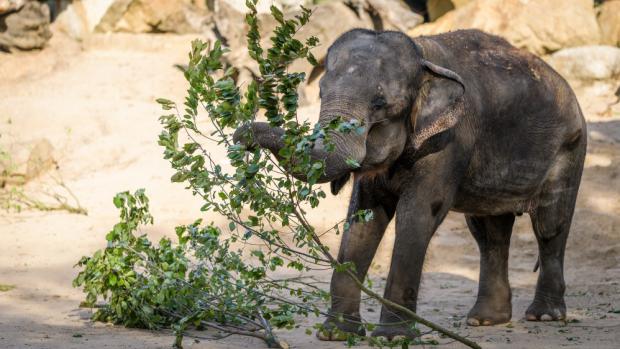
(94, 101)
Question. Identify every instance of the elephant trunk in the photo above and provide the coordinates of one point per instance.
(349, 148)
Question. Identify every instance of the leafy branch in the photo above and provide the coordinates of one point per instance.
(234, 279)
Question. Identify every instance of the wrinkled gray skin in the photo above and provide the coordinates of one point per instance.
(461, 121)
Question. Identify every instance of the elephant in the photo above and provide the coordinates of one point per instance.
(461, 121)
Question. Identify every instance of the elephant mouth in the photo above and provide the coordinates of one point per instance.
(371, 173)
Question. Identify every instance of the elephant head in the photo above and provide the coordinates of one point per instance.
(383, 81)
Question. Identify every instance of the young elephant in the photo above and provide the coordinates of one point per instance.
(461, 121)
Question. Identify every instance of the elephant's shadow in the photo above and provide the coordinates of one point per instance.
(442, 295)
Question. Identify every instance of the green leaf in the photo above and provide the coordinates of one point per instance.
(352, 163)
(312, 60)
(277, 14)
(118, 201)
(164, 101)
(179, 177)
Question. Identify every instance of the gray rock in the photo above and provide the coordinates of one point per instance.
(27, 28)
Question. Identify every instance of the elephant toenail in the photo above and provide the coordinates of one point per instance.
(339, 336)
(530, 317)
(486, 322)
(399, 338)
(382, 339)
(545, 317)
(323, 335)
(473, 322)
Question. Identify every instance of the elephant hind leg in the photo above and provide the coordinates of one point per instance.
(492, 233)
(551, 221)
(551, 228)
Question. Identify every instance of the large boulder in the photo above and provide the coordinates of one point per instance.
(229, 17)
(146, 16)
(587, 62)
(329, 20)
(538, 26)
(609, 21)
(25, 27)
(83, 17)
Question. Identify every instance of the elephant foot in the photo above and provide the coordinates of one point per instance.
(546, 310)
(394, 333)
(489, 313)
(334, 330)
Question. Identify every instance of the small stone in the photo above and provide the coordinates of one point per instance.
(27, 28)
(40, 160)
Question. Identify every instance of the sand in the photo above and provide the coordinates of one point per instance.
(95, 102)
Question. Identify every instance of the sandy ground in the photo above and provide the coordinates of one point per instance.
(94, 101)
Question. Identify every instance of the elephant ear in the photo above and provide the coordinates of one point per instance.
(436, 106)
(338, 183)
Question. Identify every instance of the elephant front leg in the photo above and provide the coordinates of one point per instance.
(359, 244)
(492, 233)
(417, 218)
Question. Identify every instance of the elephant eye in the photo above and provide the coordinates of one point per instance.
(378, 103)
